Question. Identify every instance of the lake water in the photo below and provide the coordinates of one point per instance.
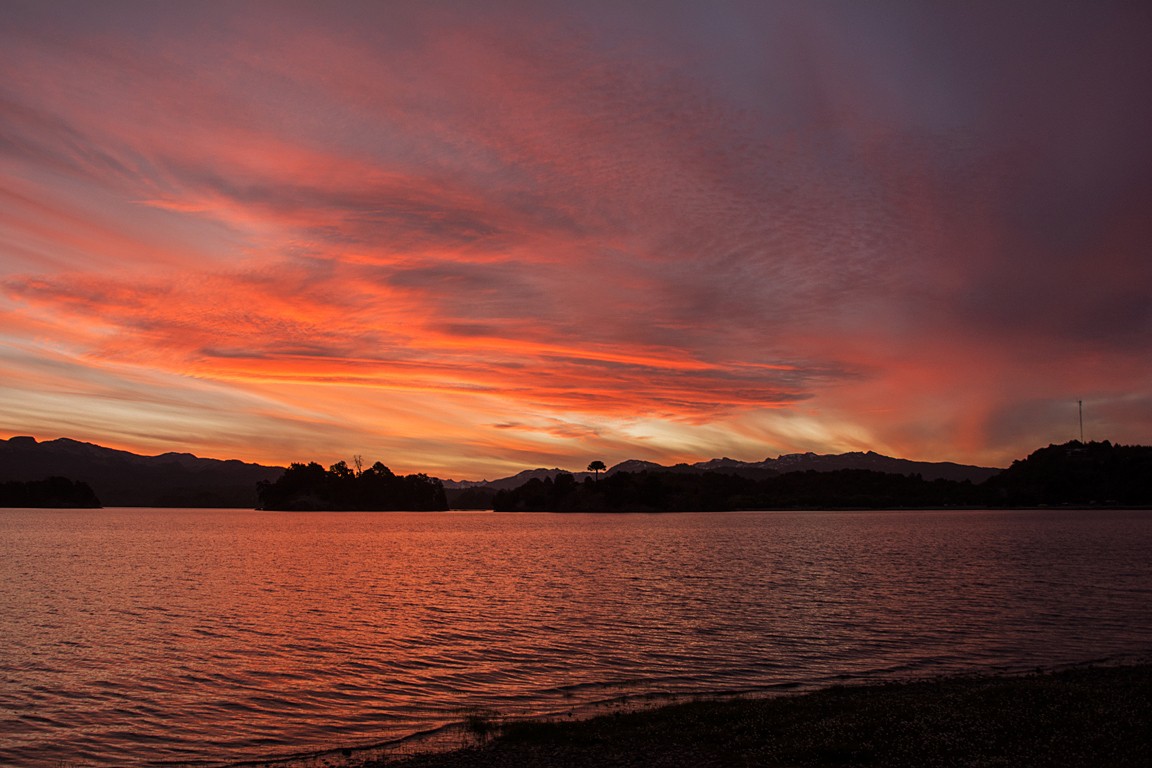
(147, 637)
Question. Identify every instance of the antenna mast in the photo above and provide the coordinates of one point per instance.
(1081, 404)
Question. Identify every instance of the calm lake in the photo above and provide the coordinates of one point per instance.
(147, 637)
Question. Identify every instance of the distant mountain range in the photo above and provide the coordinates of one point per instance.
(1097, 474)
(791, 462)
(124, 479)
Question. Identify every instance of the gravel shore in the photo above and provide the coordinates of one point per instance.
(1098, 716)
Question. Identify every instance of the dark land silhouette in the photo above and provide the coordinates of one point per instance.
(1060, 475)
(123, 479)
(1093, 716)
(1087, 474)
(470, 498)
(1076, 473)
(310, 487)
(718, 491)
(792, 462)
(470, 494)
(52, 492)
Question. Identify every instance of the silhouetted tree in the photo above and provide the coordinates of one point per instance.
(57, 492)
(596, 467)
(310, 487)
(470, 498)
(718, 491)
(341, 470)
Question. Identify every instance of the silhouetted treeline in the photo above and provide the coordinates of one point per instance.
(53, 492)
(1076, 474)
(470, 498)
(716, 491)
(1072, 474)
(305, 487)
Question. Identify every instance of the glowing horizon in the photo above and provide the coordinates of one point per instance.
(472, 241)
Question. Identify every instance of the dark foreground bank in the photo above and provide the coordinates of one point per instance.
(1080, 717)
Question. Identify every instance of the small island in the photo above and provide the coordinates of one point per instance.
(340, 488)
(53, 492)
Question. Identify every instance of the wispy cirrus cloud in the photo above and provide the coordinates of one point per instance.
(544, 230)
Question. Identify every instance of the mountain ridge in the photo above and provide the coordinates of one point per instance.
(126, 479)
(174, 478)
(1087, 475)
(788, 462)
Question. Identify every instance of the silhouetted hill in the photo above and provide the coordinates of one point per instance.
(514, 481)
(870, 460)
(669, 491)
(758, 470)
(1077, 473)
(635, 465)
(123, 479)
(1073, 474)
(1069, 474)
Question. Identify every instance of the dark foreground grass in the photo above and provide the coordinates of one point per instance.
(1081, 717)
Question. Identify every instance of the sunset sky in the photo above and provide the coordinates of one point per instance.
(467, 238)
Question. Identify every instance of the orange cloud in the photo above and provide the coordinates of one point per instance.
(524, 233)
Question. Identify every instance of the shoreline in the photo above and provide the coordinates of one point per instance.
(1082, 716)
(1077, 715)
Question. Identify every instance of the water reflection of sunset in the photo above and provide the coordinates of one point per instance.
(164, 635)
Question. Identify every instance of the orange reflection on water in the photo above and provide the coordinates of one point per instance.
(185, 635)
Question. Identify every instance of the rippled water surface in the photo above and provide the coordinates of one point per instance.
(141, 637)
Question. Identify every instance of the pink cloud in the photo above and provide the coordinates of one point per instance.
(527, 217)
